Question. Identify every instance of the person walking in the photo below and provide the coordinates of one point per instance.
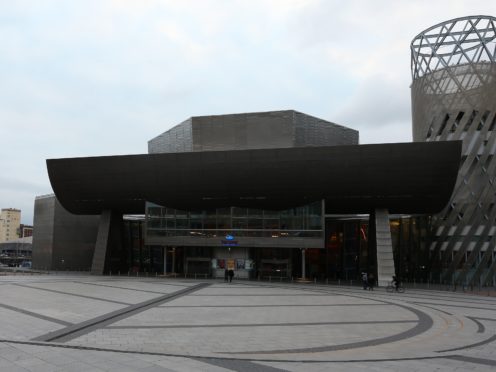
(226, 275)
(231, 274)
(364, 280)
(371, 282)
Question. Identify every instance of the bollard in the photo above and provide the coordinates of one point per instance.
(270, 278)
(156, 275)
(119, 273)
(128, 273)
(136, 274)
(315, 280)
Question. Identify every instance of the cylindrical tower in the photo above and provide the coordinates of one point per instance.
(454, 98)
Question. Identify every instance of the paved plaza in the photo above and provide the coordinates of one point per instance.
(92, 323)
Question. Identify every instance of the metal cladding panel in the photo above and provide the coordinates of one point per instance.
(454, 98)
(405, 178)
(176, 139)
(62, 241)
(243, 131)
(312, 131)
(44, 212)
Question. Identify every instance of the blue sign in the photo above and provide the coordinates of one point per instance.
(229, 237)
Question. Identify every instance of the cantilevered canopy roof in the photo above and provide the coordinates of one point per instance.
(403, 177)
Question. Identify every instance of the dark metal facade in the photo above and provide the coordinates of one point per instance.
(61, 240)
(257, 130)
(403, 177)
(454, 98)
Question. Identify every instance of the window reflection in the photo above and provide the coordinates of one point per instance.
(305, 221)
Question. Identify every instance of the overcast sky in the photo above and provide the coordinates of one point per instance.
(102, 77)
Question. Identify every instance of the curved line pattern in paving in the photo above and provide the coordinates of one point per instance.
(253, 322)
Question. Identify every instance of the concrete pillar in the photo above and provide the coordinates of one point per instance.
(108, 241)
(382, 242)
(101, 244)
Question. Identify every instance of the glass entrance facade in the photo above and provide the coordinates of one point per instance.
(344, 255)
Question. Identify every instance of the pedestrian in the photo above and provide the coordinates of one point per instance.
(226, 274)
(371, 282)
(231, 274)
(364, 280)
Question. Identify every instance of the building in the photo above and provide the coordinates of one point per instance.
(285, 195)
(16, 252)
(61, 240)
(10, 220)
(25, 231)
(454, 98)
(308, 202)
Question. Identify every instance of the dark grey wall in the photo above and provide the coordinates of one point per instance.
(257, 130)
(177, 139)
(61, 240)
(44, 210)
(312, 131)
(262, 130)
(404, 177)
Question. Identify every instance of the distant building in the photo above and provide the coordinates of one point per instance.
(10, 221)
(25, 231)
(16, 252)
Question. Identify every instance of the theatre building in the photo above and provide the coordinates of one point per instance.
(272, 195)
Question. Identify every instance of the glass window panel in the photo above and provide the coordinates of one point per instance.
(154, 223)
(315, 223)
(255, 223)
(239, 212)
(196, 223)
(170, 223)
(154, 211)
(224, 212)
(239, 223)
(270, 214)
(209, 223)
(181, 214)
(182, 223)
(223, 223)
(255, 212)
(271, 224)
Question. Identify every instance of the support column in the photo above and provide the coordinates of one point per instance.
(101, 244)
(380, 239)
(108, 239)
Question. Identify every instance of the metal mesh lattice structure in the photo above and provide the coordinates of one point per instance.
(454, 98)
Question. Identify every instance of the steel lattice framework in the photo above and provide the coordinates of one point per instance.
(454, 98)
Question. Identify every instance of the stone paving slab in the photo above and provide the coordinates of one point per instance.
(243, 326)
(125, 296)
